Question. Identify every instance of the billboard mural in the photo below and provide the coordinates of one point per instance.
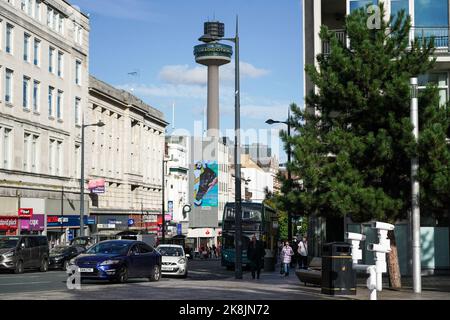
(206, 189)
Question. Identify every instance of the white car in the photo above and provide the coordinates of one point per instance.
(174, 260)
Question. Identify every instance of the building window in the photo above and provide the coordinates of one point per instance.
(5, 136)
(37, 47)
(78, 72)
(55, 157)
(51, 54)
(36, 85)
(59, 101)
(50, 101)
(77, 111)
(26, 47)
(78, 31)
(358, 4)
(438, 79)
(37, 10)
(60, 64)
(51, 155)
(26, 150)
(50, 17)
(34, 153)
(58, 159)
(9, 38)
(9, 86)
(23, 5)
(25, 93)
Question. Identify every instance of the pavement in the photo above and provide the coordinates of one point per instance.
(207, 280)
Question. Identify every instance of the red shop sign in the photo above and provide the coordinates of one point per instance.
(25, 212)
(8, 223)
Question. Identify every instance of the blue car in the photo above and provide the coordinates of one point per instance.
(117, 261)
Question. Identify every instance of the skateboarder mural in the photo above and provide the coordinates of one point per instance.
(206, 192)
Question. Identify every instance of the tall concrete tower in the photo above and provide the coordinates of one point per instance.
(213, 55)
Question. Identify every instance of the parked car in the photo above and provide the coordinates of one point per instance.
(118, 260)
(18, 253)
(174, 260)
(60, 256)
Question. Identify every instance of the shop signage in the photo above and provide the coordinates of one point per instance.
(35, 223)
(8, 223)
(25, 212)
(130, 222)
(179, 229)
(150, 218)
(114, 221)
(106, 226)
(68, 221)
(97, 186)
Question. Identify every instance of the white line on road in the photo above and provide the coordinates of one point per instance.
(21, 283)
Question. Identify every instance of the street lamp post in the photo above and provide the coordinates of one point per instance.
(163, 226)
(289, 153)
(415, 189)
(83, 126)
(237, 140)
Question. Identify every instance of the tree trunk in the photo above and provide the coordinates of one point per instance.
(395, 281)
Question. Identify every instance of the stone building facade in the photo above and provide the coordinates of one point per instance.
(44, 58)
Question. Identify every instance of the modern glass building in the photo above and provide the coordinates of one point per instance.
(429, 18)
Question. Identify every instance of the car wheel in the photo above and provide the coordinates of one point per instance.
(123, 276)
(66, 265)
(44, 265)
(156, 273)
(19, 267)
(185, 275)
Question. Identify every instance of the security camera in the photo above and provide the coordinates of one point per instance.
(355, 236)
(383, 226)
(378, 248)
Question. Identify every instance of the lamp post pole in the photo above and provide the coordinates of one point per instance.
(237, 161)
(163, 225)
(289, 175)
(415, 188)
(82, 182)
(83, 126)
(289, 155)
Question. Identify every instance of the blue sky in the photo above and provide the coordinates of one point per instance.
(155, 38)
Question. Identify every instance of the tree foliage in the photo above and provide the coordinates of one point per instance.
(352, 156)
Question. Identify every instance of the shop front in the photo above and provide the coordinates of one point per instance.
(108, 226)
(32, 225)
(202, 238)
(63, 229)
(8, 225)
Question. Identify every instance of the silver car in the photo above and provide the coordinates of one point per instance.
(174, 260)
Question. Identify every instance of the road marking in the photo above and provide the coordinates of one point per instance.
(21, 283)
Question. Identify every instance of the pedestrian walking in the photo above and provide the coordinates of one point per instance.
(295, 257)
(255, 254)
(213, 251)
(303, 253)
(286, 257)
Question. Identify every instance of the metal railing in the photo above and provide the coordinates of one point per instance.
(440, 34)
(421, 34)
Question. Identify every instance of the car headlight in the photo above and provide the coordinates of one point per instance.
(109, 262)
(182, 261)
(9, 254)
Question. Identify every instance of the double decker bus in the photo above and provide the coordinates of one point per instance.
(257, 219)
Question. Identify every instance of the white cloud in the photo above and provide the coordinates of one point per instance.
(183, 74)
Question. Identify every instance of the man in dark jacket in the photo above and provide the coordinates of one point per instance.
(255, 253)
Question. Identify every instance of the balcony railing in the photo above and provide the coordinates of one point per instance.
(422, 34)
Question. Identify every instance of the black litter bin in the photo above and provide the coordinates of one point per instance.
(338, 276)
